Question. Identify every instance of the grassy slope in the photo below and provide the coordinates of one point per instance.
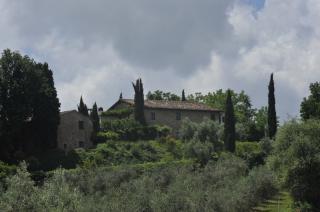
(280, 203)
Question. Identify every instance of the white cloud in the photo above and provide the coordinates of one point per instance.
(98, 48)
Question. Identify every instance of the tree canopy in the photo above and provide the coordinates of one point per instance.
(272, 116)
(310, 106)
(139, 102)
(82, 107)
(160, 95)
(29, 107)
(251, 122)
(229, 125)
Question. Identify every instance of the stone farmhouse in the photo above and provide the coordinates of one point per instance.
(74, 131)
(171, 113)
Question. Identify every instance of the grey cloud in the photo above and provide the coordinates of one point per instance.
(166, 34)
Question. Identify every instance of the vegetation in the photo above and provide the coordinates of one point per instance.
(272, 116)
(118, 113)
(139, 102)
(251, 123)
(160, 95)
(183, 96)
(296, 160)
(82, 108)
(174, 187)
(310, 107)
(29, 107)
(229, 125)
(95, 118)
(135, 167)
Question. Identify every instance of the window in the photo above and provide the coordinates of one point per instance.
(81, 144)
(81, 125)
(65, 146)
(178, 115)
(177, 134)
(153, 116)
(213, 117)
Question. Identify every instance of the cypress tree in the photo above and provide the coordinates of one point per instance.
(183, 97)
(139, 102)
(95, 118)
(229, 125)
(82, 108)
(120, 97)
(272, 116)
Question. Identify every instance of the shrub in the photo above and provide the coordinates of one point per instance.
(296, 160)
(251, 152)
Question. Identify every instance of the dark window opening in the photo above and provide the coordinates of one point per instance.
(178, 116)
(81, 125)
(212, 117)
(81, 144)
(153, 116)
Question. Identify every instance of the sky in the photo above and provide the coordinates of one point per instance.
(97, 48)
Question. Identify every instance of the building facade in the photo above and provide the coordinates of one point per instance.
(171, 113)
(74, 131)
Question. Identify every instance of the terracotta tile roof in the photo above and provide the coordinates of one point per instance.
(171, 105)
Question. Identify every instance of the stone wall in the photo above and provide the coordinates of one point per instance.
(169, 117)
(70, 136)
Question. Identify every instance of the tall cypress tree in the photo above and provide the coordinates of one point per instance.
(183, 97)
(95, 118)
(82, 108)
(272, 116)
(139, 102)
(229, 125)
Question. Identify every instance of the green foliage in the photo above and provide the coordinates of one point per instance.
(6, 170)
(160, 95)
(224, 185)
(310, 107)
(251, 122)
(183, 96)
(122, 113)
(206, 131)
(272, 116)
(251, 152)
(95, 118)
(131, 130)
(107, 136)
(82, 108)
(139, 102)
(29, 107)
(201, 151)
(297, 159)
(229, 125)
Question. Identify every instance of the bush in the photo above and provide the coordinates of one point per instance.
(224, 185)
(296, 160)
(107, 136)
(206, 131)
(251, 152)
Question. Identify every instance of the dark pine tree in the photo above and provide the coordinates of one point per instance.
(95, 118)
(139, 102)
(120, 97)
(46, 113)
(229, 125)
(82, 108)
(272, 116)
(183, 97)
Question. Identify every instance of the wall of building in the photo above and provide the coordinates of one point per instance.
(70, 135)
(169, 117)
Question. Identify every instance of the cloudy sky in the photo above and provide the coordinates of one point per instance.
(96, 48)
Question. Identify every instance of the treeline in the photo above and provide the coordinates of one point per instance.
(251, 124)
(29, 107)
